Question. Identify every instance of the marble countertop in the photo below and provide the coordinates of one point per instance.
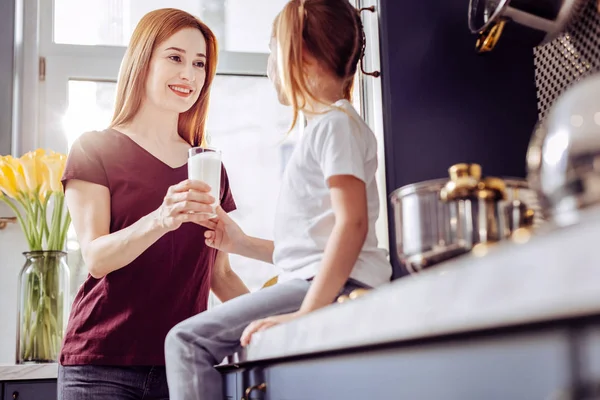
(546, 277)
(28, 371)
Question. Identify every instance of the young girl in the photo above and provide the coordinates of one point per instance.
(132, 208)
(325, 239)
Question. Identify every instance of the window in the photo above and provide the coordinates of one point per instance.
(240, 25)
(82, 58)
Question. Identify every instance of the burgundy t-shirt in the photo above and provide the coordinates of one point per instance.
(123, 318)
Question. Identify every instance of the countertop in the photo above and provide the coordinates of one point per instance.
(554, 275)
(28, 372)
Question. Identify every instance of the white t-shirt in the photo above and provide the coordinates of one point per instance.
(336, 143)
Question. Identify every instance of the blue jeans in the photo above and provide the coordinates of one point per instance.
(194, 346)
(95, 382)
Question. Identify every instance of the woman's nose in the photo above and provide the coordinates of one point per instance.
(187, 73)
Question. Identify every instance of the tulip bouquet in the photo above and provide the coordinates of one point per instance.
(27, 185)
(31, 187)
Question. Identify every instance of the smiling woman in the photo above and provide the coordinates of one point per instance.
(137, 217)
(184, 59)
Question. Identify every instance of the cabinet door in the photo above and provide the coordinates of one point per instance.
(589, 362)
(251, 382)
(524, 366)
(232, 381)
(30, 390)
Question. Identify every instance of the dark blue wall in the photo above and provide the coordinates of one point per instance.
(446, 104)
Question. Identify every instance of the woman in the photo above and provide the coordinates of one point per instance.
(137, 216)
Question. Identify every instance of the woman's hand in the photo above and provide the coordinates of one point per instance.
(266, 323)
(223, 233)
(188, 201)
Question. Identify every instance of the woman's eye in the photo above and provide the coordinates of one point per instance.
(175, 58)
(200, 64)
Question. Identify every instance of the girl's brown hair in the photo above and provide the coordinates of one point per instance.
(329, 30)
(152, 30)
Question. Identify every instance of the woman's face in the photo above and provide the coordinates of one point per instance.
(177, 71)
(273, 73)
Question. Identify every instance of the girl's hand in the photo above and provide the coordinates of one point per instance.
(223, 233)
(185, 202)
(266, 323)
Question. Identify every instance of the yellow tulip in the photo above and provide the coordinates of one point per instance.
(55, 165)
(17, 171)
(8, 181)
(31, 166)
(41, 170)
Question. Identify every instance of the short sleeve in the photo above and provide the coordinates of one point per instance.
(84, 161)
(227, 201)
(339, 148)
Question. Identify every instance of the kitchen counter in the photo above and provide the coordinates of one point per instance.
(28, 372)
(555, 275)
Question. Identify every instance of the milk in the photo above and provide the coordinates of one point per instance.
(206, 167)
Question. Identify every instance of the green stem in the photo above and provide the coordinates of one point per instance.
(64, 229)
(31, 222)
(14, 208)
(43, 220)
(55, 224)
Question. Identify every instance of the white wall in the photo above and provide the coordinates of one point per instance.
(12, 245)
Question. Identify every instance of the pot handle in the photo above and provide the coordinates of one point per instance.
(488, 39)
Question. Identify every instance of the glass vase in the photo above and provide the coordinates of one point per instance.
(43, 306)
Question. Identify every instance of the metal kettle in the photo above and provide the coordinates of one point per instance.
(564, 153)
(546, 19)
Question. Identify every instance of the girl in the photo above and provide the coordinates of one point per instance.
(133, 211)
(325, 239)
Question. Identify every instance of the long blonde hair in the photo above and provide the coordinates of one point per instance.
(331, 31)
(152, 30)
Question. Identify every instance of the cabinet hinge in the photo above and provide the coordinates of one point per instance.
(42, 69)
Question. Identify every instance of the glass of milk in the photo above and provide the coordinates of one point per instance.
(204, 164)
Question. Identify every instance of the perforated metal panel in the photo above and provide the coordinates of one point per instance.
(568, 58)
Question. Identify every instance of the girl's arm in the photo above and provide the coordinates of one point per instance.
(349, 203)
(227, 236)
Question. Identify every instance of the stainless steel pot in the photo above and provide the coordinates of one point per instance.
(564, 154)
(547, 19)
(441, 219)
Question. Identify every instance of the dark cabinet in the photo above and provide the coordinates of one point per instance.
(517, 366)
(232, 382)
(30, 390)
(244, 383)
(588, 357)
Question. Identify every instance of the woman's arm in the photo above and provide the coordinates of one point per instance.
(104, 252)
(225, 283)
